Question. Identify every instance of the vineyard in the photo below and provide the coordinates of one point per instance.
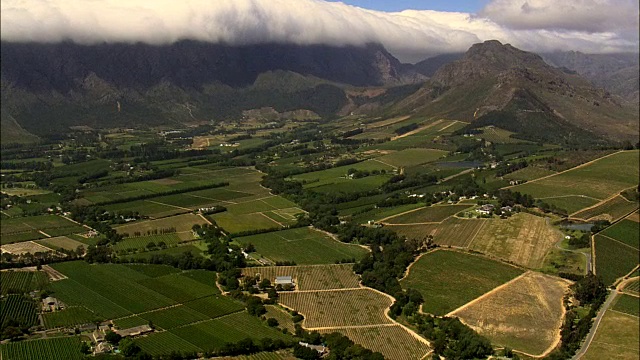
(394, 342)
(35, 227)
(339, 308)
(19, 282)
(453, 231)
(181, 223)
(430, 214)
(324, 277)
(138, 243)
(67, 348)
(613, 258)
(162, 343)
(285, 320)
(611, 210)
(18, 308)
(173, 317)
(75, 315)
(215, 306)
(450, 279)
(301, 246)
(633, 287)
(179, 288)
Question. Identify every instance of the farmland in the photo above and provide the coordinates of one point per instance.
(597, 180)
(524, 315)
(19, 308)
(529, 173)
(627, 304)
(611, 210)
(143, 242)
(75, 315)
(411, 157)
(322, 277)
(625, 231)
(614, 259)
(453, 231)
(36, 227)
(449, 279)
(61, 242)
(633, 287)
(181, 223)
(523, 239)
(19, 282)
(338, 308)
(430, 214)
(617, 338)
(304, 246)
(66, 348)
(394, 342)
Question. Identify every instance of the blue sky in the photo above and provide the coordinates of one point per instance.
(441, 5)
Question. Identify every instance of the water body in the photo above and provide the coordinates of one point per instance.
(459, 164)
(579, 227)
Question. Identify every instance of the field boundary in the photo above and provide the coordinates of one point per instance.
(573, 168)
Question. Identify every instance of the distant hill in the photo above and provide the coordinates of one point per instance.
(429, 66)
(496, 84)
(49, 87)
(11, 132)
(618, 73)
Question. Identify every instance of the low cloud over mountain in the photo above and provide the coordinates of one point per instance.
(411, 35)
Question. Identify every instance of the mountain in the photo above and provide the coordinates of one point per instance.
(496, 84)
(618, 73)
(429, 66)
(48, 87)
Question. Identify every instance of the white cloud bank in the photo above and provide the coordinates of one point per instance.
(593, 26)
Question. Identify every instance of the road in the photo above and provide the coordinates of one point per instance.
(594, 327)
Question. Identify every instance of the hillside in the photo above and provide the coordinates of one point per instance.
(618, 73)
(49, 87)
(496, 84)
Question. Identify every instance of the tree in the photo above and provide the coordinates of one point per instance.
(305, 353)
(272, 293)
(112, 337)
(85, 348)
(272, 322)
(128, 347)
(265, 283)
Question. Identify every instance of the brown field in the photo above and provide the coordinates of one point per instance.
(617, 338)
(394, 342)
(523, 239)
(313, 277)
(338, 308)
(634, 217)
(612, 210)
(182, 223)
(453, 231)
(524, 315)
(61, 242)
(24, 248)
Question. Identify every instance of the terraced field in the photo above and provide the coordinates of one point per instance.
(323, 277)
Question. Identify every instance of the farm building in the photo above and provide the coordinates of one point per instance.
(321, 349)
(134, 331)
(284, 280)
(50, 304)
(486, 209)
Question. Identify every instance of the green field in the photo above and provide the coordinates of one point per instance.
(449, 279)
(178, 250)
(453, 231)
(18, 282)
(627, 304)
(137, 243)
(626, 231)
(304, 246)
(338, 175)
(613, 259)
(611, 210)
(32, 228)
(75, 315)
(233, 224)
(529, 173)
(412, 157)
(61, 242)
(65, 348)
(598, 180)
(430, 214)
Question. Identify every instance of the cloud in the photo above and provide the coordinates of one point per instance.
(591, 16)
(411, 35)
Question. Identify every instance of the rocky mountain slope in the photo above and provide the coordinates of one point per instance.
(501, 85)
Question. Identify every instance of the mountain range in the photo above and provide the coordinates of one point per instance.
(46, 88)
